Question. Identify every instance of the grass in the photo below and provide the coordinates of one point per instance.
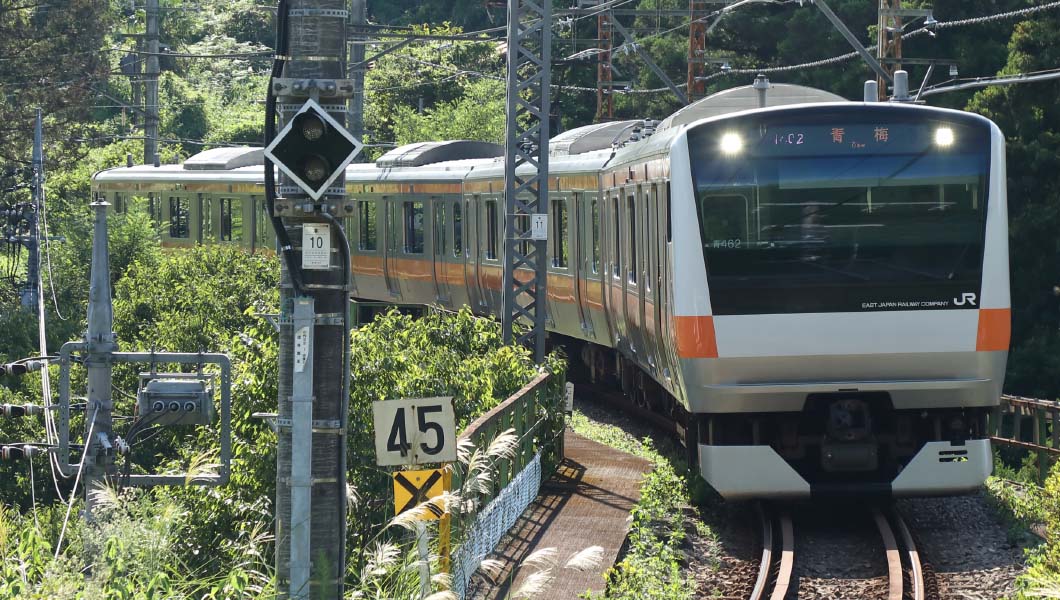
(654, 567)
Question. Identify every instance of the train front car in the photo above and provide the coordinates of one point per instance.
(841, 297)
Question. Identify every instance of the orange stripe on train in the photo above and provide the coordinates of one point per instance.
(995, 328)
(695, 337)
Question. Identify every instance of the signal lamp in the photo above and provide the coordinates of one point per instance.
(311, 126)
(313, 149)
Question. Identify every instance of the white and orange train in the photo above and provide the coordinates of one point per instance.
(816, 291)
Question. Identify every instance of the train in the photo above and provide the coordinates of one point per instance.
(813, 291)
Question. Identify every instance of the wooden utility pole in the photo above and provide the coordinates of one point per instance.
(697, 50)
(889, 37)
(151, 85)
(605, 91)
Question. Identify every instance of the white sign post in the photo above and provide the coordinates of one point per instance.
(539, 226)
(316, 246)
(414, 431)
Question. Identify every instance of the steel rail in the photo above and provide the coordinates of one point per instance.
(787, 558)
(912, 556)
(767, 554)
(894, 556)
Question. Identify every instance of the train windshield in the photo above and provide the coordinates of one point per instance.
(842, 209)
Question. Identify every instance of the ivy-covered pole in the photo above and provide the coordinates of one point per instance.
(307, 139)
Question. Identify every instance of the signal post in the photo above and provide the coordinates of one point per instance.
(307, 105)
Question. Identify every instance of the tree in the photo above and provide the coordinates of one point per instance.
(52, 55)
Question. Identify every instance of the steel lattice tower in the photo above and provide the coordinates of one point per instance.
(526, 191)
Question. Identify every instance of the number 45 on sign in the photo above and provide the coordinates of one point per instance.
(415, 431)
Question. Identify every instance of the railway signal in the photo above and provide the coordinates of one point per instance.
(313, 149)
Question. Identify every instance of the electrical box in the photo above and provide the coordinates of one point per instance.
(175, 399)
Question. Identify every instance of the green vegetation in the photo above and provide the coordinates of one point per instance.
(1024, 505)
(216, 543)
(652, 566)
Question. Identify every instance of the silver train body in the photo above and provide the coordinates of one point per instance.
(815, 291)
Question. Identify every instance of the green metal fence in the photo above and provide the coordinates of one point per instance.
(1030, 424)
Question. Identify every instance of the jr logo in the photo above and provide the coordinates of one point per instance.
(966, 298)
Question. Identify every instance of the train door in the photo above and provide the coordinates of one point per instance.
(440, 249)
(391, 233)
(632, 280)
(578, 261)
(471, 252)
(490, 256)
(657, 242)
(644, 239)
(613, 270)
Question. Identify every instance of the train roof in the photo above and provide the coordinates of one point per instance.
(746, 98)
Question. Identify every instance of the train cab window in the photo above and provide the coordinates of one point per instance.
(491, 229)
(616, 247)
(366, 235)
(559, 233)
(413, 226)
(726, 219)
(458, 230)
(179, 213)
(231, 219)
(594, 231)
(154, 207)
(439, 227)
(631, 215)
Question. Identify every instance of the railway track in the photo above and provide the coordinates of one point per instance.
(776, 573)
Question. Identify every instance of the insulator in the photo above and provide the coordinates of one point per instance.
(19, 410)
(12, 453)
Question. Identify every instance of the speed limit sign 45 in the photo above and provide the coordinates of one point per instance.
(414, 431)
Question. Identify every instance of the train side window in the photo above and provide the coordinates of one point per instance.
(366, 225)
(666, 215)
(616, 256)
(595, 233)
(206, 233)
(119, 203)
(559, 233)
(458, 230)
(631, 214)
(413, 221)
(439, 227)
(231, 219)
(261, 225)
(154, 207)
(179, 212)
(491, 229)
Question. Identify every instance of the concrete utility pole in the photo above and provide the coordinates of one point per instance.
(100, 343)
(314, 302)
(151, 85)
(31, 292)
(526, 194)
(358, 18)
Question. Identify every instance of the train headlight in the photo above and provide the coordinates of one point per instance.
(731, 144)
(944, 137)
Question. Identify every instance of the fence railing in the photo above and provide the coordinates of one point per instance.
(1030, 424)
(535, 414)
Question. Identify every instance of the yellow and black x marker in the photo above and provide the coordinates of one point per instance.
(412, 488)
